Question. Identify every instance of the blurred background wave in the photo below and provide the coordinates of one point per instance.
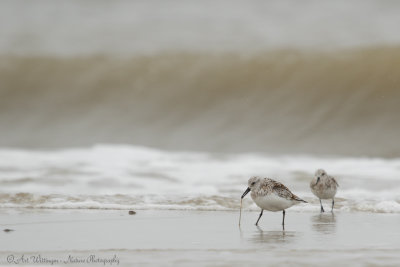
(221, 76)
(343, 102)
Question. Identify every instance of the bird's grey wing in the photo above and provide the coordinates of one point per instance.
(334, 181)
(282, 191)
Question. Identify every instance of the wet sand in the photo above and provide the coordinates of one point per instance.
(200, 238)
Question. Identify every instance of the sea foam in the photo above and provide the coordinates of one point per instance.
(128, 177)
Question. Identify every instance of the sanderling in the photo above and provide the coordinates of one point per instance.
(271, 195)
(324, 186)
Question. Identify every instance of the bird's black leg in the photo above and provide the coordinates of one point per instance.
(283, 220)
(322, 208)
(259, 216)
(333, 203)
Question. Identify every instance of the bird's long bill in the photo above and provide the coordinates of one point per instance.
(245, 192)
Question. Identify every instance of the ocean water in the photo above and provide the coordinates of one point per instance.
(128, 177)
(130, 27)
(284, 102)
(175, 104)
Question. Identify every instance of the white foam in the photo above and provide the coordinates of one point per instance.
(99, 177)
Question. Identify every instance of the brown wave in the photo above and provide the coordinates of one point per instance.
(339, 102)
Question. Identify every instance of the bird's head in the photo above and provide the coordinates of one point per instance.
(318, 174)
(252, 184)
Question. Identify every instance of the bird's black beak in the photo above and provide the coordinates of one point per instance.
(317, 180)
(245, 192)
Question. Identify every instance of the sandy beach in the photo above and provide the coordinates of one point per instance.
(197, 238)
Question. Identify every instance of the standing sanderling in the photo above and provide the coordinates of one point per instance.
(324, 186)
(271, 195)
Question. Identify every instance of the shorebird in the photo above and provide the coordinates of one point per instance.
(271, 195)
(324, 186)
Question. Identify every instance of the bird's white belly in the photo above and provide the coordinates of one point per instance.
(324, 193)
(272, 202)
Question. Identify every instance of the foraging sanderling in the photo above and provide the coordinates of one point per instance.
(271, 195)
(324, 186)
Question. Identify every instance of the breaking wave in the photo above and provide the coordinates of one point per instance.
(343, 102)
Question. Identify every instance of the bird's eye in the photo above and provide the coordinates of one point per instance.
(323, 173)
(253, 183)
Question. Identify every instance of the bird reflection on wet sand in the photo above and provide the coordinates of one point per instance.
(276, 237)
(324, 223)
